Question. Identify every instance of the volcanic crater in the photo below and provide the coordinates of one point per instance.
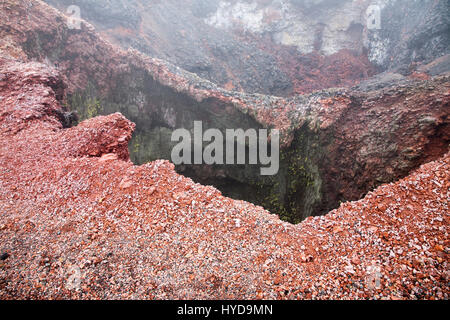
(92, 208)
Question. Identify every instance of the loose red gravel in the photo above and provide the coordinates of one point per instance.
(78, 220)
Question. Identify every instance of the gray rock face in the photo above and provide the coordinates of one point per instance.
(411, 33)
(105, 13)
(177, 33)
(264, 46)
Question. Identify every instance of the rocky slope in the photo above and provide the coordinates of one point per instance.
(279, 47)
(337, 144)
(79, 220)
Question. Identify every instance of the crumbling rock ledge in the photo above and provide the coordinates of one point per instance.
(79, 221)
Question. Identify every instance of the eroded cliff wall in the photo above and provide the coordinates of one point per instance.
(279, 47)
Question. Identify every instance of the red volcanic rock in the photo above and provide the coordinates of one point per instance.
(79, 220)
(350, 140)
(385, 134)
(420, 76)
(107, 135)
(313, 71)
(29, 93)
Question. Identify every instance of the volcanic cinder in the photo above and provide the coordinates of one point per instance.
(79, 219)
